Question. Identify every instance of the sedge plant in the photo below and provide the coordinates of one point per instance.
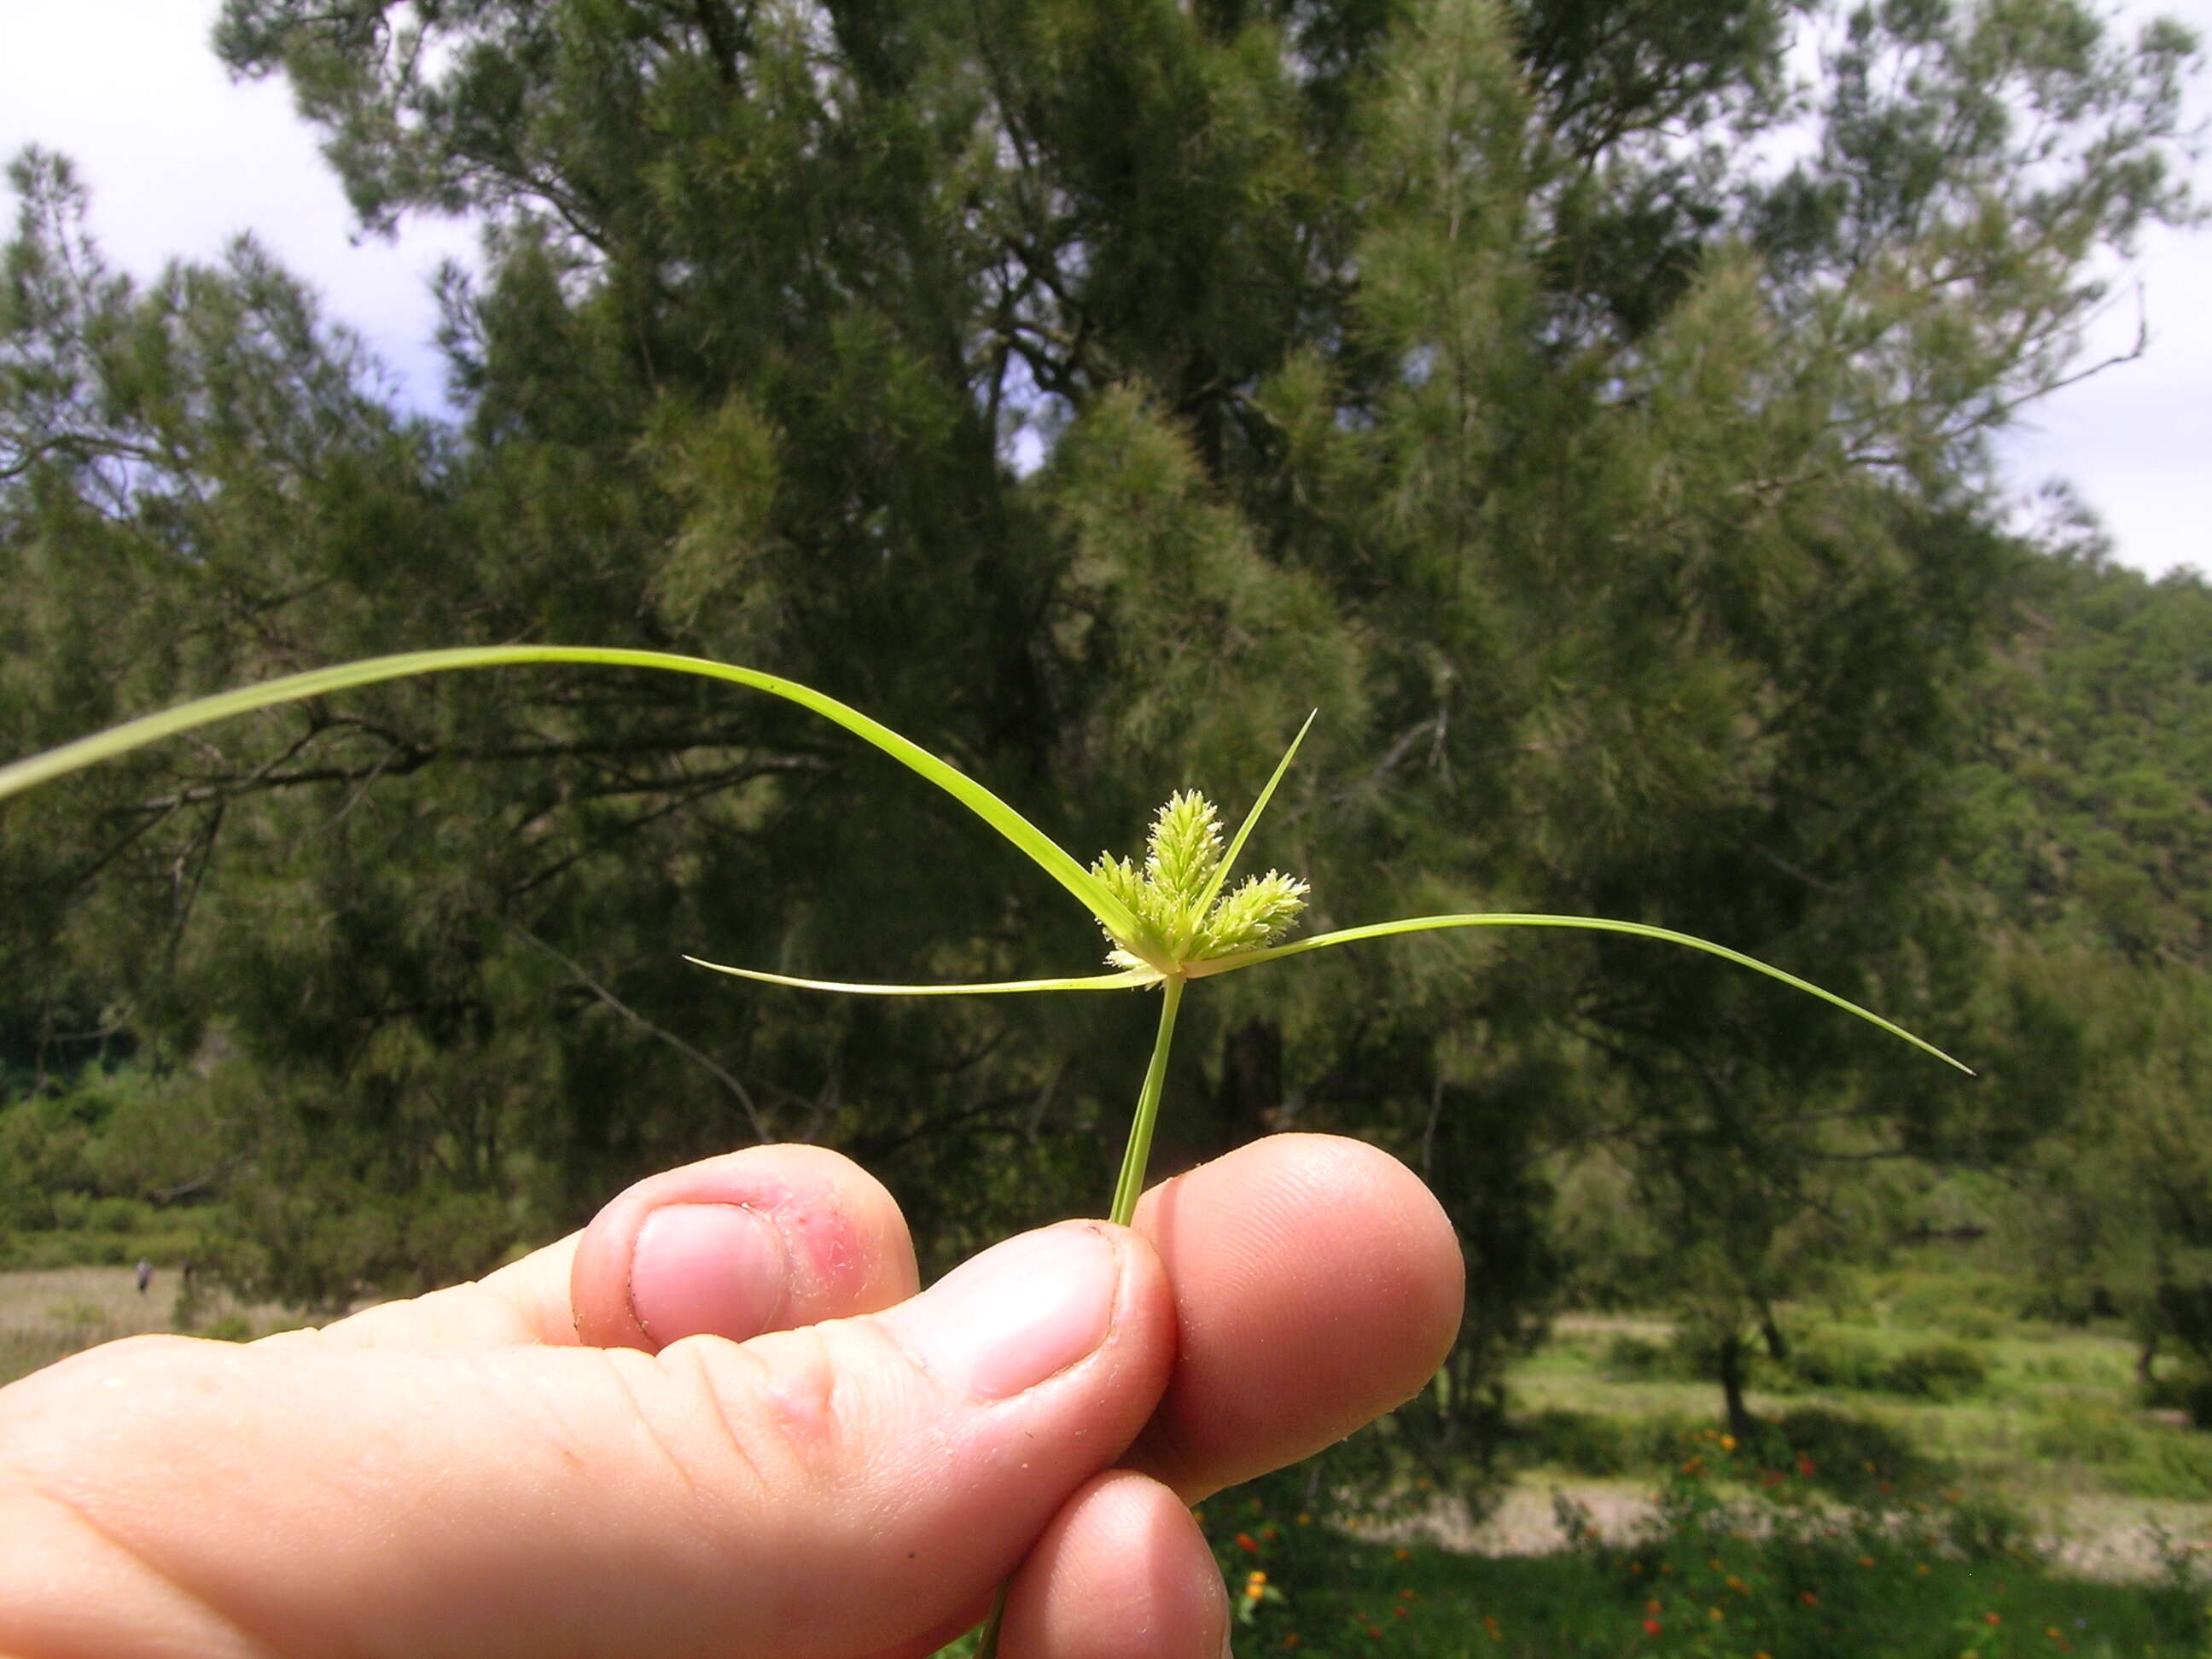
(1168, 920)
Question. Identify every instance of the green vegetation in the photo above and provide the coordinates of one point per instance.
(2005, 1406)
(105, 1170)
(1719, 1569)
(1992, 1464)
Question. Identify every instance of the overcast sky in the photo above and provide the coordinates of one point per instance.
(179, 160)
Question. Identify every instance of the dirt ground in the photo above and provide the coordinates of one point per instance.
(2108, 1538)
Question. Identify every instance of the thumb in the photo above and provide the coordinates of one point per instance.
(841, 1489)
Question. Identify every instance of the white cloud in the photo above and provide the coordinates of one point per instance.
(179, 159)
(2135, 439)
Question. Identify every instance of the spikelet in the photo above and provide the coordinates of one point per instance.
(1169, 894)
(1255, 914)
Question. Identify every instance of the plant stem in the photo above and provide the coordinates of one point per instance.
(1126, 1189)
(1131, 1184)
(986, 1644)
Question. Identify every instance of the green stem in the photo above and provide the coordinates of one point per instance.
(1132, 1183)
(986, 1644)
(1126, 1192)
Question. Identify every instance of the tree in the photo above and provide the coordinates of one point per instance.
(2111, 1209)
(2091, 779)
(1087, 389)
(2095, 854)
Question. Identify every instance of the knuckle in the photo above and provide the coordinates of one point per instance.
(780, 1405)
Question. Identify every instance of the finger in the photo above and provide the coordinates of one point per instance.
(766, 1239)
(839, 1490)
(1317, 1284)
(1123, 1572)
(763, 1239)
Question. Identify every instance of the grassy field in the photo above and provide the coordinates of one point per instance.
(47, 1314)
(1936, 1475)
(1948, 1389)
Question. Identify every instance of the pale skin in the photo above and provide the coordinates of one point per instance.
(719, 1421)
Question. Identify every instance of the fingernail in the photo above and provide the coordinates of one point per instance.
(703, 1269)
(1018, 1314)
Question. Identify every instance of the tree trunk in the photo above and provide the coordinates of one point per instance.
(1732, 1380)
(1778, 1345)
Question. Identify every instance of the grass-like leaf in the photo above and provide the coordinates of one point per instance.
(1592, 924)
(1111, 911)
(1129, 979)
(1046, 853)
(1244, 829)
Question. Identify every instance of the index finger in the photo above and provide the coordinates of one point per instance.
(768, 1238)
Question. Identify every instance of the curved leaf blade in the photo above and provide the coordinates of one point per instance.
(1041, 850)
(1128, 979)
(1591, 924)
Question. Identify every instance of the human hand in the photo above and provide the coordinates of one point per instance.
(719, 1421)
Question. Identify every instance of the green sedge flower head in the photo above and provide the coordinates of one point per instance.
(1173, 897)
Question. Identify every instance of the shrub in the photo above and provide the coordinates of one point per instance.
(1832, 1360)
(2077, 1430)
(1936, 1371)
(1638, 1359)
(2187, 1390)
(1930, 1370)
(1684, 1357)
(1585, 1443)
(1851, 1457)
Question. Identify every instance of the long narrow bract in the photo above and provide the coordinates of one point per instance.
(1592, 924)
(1128, 979)
(1259, 806)
(1046, 853)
